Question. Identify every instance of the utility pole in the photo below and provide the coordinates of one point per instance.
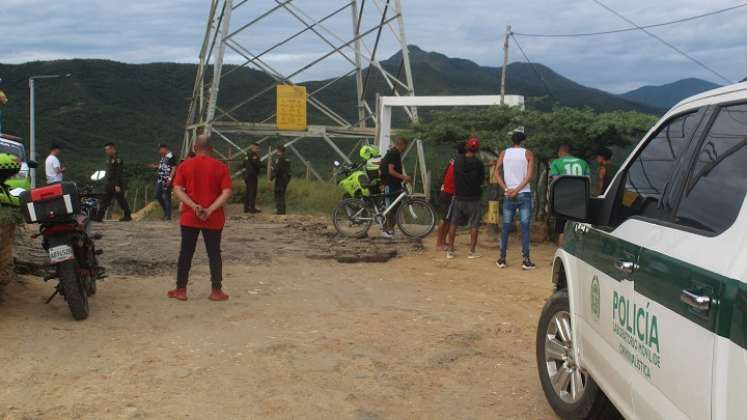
(505, 64)
(32, 120)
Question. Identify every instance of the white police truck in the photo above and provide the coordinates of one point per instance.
(649, 312)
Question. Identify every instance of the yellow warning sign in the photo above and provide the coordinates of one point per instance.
(291, 108)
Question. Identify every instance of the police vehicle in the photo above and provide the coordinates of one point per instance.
(649, 312)
(13, 158)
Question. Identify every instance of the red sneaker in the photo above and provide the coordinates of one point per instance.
(218, 295)
(178, 294)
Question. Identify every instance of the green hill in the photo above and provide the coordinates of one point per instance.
(140, 105)
(668, 95)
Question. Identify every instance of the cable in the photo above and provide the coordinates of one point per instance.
(658, 38)
(635, 28)
(531, 64)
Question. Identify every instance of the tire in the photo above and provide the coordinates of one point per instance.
(75, 296)
(416, 218)
(561, 378)
(352, 218)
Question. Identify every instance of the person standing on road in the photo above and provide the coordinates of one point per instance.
(203, 185)
(166, 168)
(115, 184)
(605, 172)
(252, 169)
(466, 207)
(52, 166)
(445, 199)
(566, 164)
(517, 164)
(393, 177)
(281, 174)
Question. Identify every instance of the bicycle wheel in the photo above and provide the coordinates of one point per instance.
(416, 218)
(352, 218)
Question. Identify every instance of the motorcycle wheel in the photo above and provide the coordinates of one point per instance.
(76, 297)
(352, 218)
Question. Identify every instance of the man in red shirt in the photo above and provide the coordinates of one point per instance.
(203, 185)
(447, 193)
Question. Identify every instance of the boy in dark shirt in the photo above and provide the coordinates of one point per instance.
(391, 169)
(469, 175)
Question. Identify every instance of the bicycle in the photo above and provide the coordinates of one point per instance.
(415, 216)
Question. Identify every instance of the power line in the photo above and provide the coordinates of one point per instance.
(534, 68)
(631, 29)
(658, 38)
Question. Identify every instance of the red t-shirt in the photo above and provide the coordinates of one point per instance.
(449, 186)
(204, 179)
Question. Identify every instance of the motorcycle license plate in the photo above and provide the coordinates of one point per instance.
(61, 253)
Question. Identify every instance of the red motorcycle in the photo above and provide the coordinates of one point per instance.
(64, 214)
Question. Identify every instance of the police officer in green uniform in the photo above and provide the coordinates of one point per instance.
(281, 174)
(115, 184)
(252, 168)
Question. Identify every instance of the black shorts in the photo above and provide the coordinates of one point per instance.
(444, 204)
(466, 213)
(560, 225)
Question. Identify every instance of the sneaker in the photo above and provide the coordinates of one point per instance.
(528, 264)
(450, 255)
(387, 235)
(218, 295)
(473, 255)
(178, 294)
(126, 219)
(501, 263)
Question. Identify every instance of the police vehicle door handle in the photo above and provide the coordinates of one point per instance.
(626, 266)
(695, 301)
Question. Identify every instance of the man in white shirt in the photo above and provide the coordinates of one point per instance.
(52, 165)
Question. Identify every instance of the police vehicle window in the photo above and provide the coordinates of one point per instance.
(648, 176)
(716, 190)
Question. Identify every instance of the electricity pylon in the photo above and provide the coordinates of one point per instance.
(241, 31)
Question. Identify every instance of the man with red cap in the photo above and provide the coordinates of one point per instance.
(466, 208)
(203, 185)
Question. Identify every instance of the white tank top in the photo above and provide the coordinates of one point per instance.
(515, 167)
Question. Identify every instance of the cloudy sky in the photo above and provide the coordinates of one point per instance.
(140, 31)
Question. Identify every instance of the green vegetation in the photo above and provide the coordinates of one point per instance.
(303, 197)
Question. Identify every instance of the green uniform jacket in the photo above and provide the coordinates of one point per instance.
(281, 171)
(115, 172)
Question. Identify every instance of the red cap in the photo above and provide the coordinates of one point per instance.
(472, 144)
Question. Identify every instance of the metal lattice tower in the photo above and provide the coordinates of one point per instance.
(352, 32)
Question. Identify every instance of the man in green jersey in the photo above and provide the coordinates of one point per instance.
(566, 164)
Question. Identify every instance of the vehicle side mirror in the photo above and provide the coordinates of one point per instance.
(32, 164)
(569, 198)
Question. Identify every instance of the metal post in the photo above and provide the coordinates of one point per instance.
(358, 69)
(218, 64)
(405, 56)
(504, 69)
(32, 132)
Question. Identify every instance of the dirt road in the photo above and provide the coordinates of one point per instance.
(303, 336)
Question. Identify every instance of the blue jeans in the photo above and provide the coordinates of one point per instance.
(163, 195)
(523, 203)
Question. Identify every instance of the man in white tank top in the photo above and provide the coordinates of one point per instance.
(514, 171)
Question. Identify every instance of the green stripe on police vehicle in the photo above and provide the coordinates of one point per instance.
(662, 279)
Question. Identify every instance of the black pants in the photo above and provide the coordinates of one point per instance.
(280, 189)
(189, 243)
(112, 194)
(250, 200)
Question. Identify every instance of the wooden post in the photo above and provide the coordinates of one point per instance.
(504, 69)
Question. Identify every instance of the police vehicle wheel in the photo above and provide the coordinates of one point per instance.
(76, 297)
(571, 392)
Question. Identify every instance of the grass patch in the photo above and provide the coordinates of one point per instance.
(303, 197)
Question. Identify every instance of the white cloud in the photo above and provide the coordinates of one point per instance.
(171, 30)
